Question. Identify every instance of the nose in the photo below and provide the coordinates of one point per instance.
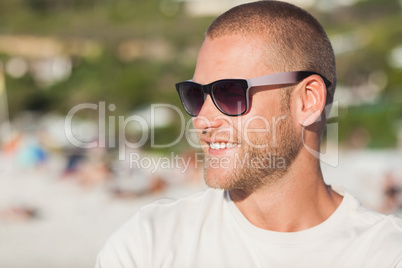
(209, 116)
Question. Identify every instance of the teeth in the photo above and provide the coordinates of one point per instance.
(222, 145)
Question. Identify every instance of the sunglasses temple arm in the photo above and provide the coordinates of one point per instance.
(275, 79)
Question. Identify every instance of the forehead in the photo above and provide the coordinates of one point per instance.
(231, 56)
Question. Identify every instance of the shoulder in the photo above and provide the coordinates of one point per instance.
(381, 232)
(169, 214)
(362, 217)
(374, 220)
(180, 207)
(387, 229)
(160, 220)
(367, 235)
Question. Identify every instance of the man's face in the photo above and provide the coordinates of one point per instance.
(255, 149)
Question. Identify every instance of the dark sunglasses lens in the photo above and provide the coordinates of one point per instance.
(192, 97)
(230, 96)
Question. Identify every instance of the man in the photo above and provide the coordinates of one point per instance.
(264, 75)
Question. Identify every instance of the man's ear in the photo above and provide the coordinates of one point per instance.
(310, 99)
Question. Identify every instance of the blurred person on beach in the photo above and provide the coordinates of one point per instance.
(89, 167)
(392, 194)
(131, 181)
(264, 76)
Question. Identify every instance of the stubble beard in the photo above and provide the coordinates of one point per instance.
(246, 176)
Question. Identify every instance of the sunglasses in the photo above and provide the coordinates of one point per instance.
(231, 96)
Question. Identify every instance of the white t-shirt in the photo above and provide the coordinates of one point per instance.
(207, 230)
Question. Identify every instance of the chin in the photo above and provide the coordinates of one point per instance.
(217, 179)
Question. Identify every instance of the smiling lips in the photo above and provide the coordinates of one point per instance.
(223, 145)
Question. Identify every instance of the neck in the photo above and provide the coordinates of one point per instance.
(297, 201)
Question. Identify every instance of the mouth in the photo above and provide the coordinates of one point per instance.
(223, 145)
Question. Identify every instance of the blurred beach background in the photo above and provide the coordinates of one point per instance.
(82, 82)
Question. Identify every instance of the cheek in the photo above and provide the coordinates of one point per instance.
(266, 102)
(263, 115)
(257, 125)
